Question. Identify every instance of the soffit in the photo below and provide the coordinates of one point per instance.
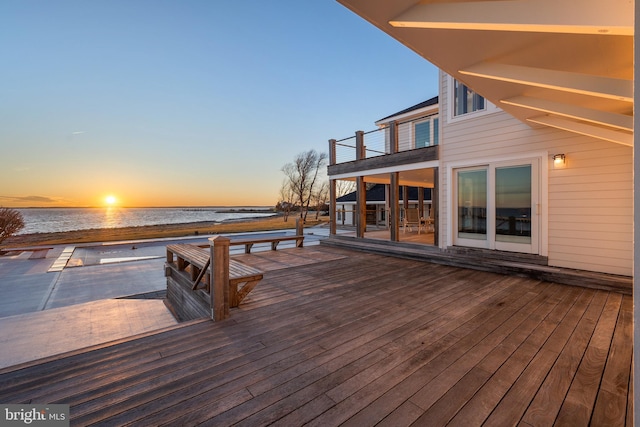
(411, 178)
(546, 62)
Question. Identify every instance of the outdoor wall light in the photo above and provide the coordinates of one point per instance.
(559, 161)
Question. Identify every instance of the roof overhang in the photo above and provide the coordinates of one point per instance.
(566, 64)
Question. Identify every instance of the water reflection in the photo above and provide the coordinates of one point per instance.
(111, 218)
(50, 220)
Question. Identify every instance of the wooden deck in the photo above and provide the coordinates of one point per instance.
(338, 337)
(406, 236)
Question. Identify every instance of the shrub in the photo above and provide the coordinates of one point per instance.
(11, 222)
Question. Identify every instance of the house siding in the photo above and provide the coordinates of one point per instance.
(405, 136)
(589, 212)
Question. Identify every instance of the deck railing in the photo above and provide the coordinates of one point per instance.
(374, 143)
(221, 275)
(346, 216)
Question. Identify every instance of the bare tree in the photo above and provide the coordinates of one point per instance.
(302, 175)
(11, 222)
(344, 187)
(286, 199)
(320, 197)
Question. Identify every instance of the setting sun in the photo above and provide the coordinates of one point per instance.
(110, 200)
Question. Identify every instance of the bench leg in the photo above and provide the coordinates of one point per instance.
(195, 272)
(247, 248)
(237, 295)
(203, 273)
(274, 245)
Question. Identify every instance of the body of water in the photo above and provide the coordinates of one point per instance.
(51, 220)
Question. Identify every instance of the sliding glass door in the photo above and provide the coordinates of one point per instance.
(495, 206)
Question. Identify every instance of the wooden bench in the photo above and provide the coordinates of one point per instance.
(249, 242)
(242, 278)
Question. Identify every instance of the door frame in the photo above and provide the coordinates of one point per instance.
(540, 167)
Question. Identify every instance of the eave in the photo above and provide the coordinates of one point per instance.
(558, 63)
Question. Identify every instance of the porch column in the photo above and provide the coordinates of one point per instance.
(332, 189)
(361, 207)
(394, 191)
(361, 191)
(394, 205)
(387, 205)
(420, 202)
(332, 207)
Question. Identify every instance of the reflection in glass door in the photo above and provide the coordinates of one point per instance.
(472, 204)
(513, 204)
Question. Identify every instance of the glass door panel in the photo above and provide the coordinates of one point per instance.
(472, 204)
(513, 204)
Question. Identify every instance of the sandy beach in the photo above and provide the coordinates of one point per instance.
(157, 231)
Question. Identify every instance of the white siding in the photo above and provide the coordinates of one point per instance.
(589, 212)
(405, 136)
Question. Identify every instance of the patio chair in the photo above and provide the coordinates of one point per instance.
(411, 218)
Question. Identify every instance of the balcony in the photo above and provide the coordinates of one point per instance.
(393, 146)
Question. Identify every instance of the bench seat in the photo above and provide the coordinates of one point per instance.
(242, 278)
(249, 242)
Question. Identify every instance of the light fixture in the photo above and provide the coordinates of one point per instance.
(559, 161)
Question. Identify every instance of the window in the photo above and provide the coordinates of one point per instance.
(426, 132)
(435, 131)
(423, 134)
(465, 100)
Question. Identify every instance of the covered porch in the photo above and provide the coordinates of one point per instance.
(395, 193)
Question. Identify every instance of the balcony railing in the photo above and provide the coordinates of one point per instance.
(394, 138)
(374, 145)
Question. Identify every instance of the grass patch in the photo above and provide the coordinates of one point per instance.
(157, 231)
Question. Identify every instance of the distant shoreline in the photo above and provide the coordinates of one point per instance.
(157, 231)
(55, 220)
(249, 209)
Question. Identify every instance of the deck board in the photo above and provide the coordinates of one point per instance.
(338, 337)
(611, 404)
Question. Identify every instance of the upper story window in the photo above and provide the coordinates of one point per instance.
(426, 132)
(465, 100)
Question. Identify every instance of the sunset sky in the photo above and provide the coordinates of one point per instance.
(185, 103)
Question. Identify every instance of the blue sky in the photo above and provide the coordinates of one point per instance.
(185, 102)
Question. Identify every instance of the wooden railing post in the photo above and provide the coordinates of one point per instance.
(393, 137)
(299, 232)
(332, 152)
(219, 277)
(361, 150)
